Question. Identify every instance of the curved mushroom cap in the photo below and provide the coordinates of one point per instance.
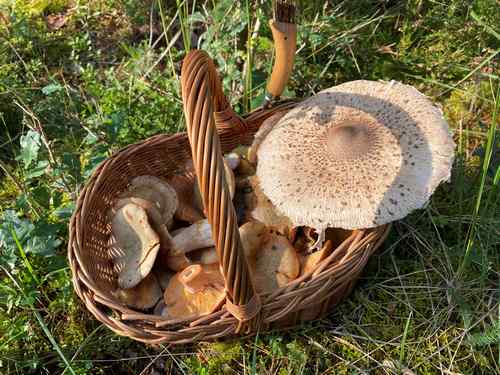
(262, 133)
(357, 155)
(252, 234)
(156, 190)
(154, 217)
(264, 211)
(190, 206)
(136, 246)
(198, 290)
(276, 263)
(143, 296)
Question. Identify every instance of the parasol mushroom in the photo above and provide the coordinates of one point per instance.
(142, 296)
(197, 290)
(135, 244)
(261, 134)
(357, 155)
(264, 211)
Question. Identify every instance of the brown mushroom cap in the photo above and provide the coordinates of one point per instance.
(134, 245)
(252, 234)
(156, 190)
(179, 262)
(143, 296)
(196, 291)
(357, 155)
(190, 207)
(276, 264)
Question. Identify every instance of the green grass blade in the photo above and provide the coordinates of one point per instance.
(42, 324)
(403, 339)
(26, 262)
(485, 166)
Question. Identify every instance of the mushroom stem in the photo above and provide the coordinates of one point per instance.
(196, 236)
(318, 245)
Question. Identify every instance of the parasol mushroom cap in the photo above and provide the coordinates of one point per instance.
(156, 190)
(143, 296)
(135, 244)
(262, 133)
(276, 263)
(197, 290)
(263, 209)
(357, 155)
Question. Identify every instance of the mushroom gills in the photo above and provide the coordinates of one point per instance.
(134, 244)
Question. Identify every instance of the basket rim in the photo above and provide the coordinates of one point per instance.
(152, 329)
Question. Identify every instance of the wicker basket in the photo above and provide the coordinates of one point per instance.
(212, 127)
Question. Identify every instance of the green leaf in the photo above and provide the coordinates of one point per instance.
(8, 251)
(52, 88)
(38, 170)
(43, 240)
(30, 144)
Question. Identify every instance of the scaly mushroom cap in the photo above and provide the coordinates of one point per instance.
(264, 211)
(357, 155)
(156, 190)
(262, 133)
(276, 263)
(134, 245)
(143, 296)
(196, 291)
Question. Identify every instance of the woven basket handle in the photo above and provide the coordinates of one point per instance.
(202, 96)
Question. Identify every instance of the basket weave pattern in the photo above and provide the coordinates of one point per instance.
(213, 129)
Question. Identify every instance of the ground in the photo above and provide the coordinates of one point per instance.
(81, 79)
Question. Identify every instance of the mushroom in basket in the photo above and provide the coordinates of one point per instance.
(357, 155)
(197, 290)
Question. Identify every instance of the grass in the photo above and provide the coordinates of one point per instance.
(81, 79)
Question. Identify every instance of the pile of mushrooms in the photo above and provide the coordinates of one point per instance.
(354, 156)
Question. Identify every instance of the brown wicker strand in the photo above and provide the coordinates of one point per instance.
(202, 95)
